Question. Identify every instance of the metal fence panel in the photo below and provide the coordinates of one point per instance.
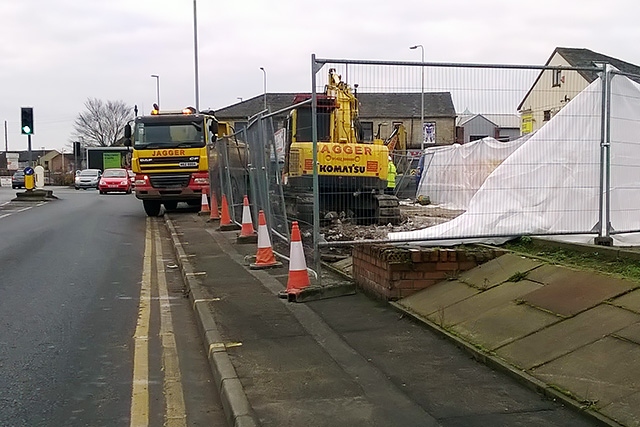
(369, 110)
(624, 156)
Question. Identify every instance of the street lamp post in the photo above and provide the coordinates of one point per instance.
(421, 95)
(264, 84)
(157, 77)
(195, 54)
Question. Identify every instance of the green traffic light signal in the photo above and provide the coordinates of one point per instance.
(26, 114)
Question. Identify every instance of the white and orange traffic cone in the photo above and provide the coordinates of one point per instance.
(247, 232)
(215, 214)
(265, 258)
(225, 220)
(298, 276)
(204, 205)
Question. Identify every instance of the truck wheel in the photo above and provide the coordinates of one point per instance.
(152, 207)
(170, 206)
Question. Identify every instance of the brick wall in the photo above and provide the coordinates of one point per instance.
(391, 273)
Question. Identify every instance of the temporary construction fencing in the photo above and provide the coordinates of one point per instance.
(581, 183)
(572, 174)
(452, 174)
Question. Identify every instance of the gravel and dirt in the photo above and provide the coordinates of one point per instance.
(414, 217)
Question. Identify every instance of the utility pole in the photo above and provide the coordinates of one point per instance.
(157, 77)
(264, 86)
(6, 139)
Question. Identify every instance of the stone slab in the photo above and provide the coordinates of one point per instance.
(568, 292)
(631, 333)
(630, 301)
(599, 373)
(566, 336)
(484, 301)
(498, 270)
(502, 325)
(626, 410)
(437, 297)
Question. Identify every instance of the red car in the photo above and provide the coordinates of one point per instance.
(114, 180)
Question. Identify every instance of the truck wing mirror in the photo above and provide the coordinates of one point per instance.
(127, 135)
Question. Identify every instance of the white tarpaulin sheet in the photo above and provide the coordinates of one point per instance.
(551, 183)
(454, 173)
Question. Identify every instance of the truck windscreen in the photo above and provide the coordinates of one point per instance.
(168, 135)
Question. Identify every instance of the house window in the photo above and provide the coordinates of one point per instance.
(367, 131)
(476, 137)
(557, 78)
(547, 115)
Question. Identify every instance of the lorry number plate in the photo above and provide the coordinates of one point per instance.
(188, 164)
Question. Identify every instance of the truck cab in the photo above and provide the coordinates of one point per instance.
(170, 157)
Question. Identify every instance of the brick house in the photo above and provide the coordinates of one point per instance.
(378, 113)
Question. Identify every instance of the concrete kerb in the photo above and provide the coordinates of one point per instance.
(500, 365)
(234, 400)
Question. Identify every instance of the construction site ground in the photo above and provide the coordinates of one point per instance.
(414, 216)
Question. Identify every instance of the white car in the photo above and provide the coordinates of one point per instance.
(88, 178)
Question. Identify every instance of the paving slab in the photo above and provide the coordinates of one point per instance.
(625, 410)
(437, 297)
(599, 373)
(631, 333)
(630, 301)
(482, 302)
(549, 273)
(566, 336)
(568, 292)
(502, 325)
(498, 270)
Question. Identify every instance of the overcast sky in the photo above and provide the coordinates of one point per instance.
(56, 54)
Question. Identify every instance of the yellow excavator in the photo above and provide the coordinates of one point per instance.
(352, 173)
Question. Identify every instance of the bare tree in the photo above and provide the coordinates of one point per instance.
(102, 123)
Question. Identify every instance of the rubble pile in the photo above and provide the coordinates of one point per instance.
(415, 217)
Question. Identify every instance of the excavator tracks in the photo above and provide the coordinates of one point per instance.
(387, 210)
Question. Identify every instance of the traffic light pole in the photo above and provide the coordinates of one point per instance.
(29, 148)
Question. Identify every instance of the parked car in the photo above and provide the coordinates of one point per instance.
(115, 180)
(17, 180)
(132, 178)
(88, 178)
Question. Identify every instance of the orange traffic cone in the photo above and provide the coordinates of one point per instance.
(225, 219)
(298, 276)
(247, 232)
(265, 257)
(204, 205)
(215, 215)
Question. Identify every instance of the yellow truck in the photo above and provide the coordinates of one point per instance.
(170, 157)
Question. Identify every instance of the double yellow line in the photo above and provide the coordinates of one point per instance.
(175, 411)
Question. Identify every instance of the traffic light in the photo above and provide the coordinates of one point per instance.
(26, 126)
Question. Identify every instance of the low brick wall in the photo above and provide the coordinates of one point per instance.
(390, 273)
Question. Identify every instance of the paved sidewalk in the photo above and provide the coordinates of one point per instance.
(348, 361)
(573, 334)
